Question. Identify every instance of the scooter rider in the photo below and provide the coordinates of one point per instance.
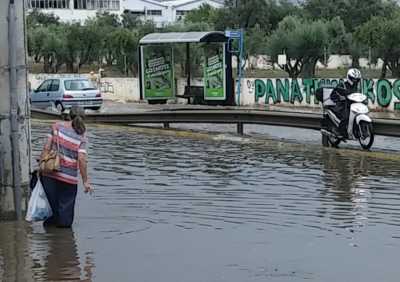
(339, 94)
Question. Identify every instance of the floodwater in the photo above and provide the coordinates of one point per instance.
(183, 207)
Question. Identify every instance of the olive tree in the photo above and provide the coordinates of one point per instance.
(304, 42)
(382, 35)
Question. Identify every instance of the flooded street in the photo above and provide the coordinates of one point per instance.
(196, 207)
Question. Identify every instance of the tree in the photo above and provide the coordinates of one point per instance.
(247, 14)
(45, 44)
(204, 14)
(37, 18)
(353, 13)
(303, 41)
(124, 45)
(382, 35)
(106, 20)
(130, 21)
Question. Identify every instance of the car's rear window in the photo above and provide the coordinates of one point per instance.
(78, 84)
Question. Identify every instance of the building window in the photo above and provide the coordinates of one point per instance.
(97, 4)
(114, 5)
(137, 13)
(48, 4)
(81, 4)
(181, 12)
(154, 12)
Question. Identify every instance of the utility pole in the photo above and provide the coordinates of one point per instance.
(14, 111)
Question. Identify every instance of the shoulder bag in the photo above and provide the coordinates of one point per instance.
(51, 160)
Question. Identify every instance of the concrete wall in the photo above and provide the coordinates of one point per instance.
(264, 62)
(117, 89)
(383, 94)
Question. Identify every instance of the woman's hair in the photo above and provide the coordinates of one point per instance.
(77, 115)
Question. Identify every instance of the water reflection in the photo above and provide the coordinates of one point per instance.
(55, 256)
(223, 184)
(32, 253)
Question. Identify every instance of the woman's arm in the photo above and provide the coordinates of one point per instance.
(82, 162)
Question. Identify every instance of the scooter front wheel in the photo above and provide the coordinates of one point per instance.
(334, 141)
(367, 135)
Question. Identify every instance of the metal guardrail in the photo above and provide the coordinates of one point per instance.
(384, 127)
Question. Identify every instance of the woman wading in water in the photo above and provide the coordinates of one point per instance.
(61, 186)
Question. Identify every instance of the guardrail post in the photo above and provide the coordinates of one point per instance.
(166, 125)
(325, 141)
(240, 128)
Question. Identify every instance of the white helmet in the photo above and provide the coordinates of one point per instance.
(353, 76)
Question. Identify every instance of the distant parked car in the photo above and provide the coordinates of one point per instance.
(63, 93)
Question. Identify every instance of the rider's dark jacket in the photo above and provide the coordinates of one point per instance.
(338, 96)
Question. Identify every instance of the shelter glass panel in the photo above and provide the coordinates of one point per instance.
(157, 72)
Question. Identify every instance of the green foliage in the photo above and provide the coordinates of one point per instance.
(250, 13)
(204, 14)
(353, 13)
(102, 39)
(304, 42)
(382, 35)
(255, 41)
(130, 21)
(306, 32)
(37, 18)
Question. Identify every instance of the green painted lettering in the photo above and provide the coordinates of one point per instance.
(259, 86)
(384, 92)
(322, 83)
(396, 93)
(296, 92)
(308, 87)
(334, 83)
(270, 92)
(368, 89)
(282, 90)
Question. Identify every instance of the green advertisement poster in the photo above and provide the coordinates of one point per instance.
(214, 72)
(157, 74)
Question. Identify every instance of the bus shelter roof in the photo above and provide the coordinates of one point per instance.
(183, 37)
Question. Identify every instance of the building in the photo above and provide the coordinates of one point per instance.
(161, 13)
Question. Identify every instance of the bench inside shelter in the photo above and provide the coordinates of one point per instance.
(194, 94)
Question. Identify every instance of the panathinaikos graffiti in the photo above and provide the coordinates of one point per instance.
(381, 93)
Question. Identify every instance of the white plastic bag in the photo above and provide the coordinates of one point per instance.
(38, 208)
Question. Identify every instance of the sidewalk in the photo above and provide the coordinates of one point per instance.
(134, 107)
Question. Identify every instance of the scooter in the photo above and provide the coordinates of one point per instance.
(359, 125)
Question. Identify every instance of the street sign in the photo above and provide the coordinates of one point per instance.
(233, 33)
(282, 59)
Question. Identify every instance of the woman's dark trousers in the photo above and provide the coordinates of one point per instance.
(61, 197)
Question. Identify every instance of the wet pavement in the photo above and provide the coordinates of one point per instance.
(110, 106)
(197, 206)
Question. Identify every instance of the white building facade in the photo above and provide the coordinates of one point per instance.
(162, 13)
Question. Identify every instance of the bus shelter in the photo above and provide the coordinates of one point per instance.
(157, 67)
